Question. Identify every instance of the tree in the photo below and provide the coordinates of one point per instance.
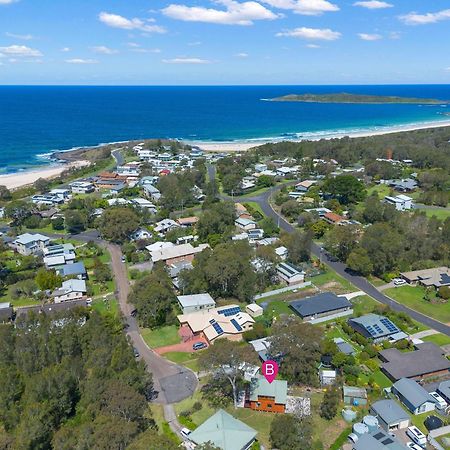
(75, 221)
(340, 241)
(18, 211)
(359, 261)
(153, 297)
(102, 272)
(269, 226)
(266, 181)
(228, 360)
(116, 224)
(5, 193)
(42, 185)
(58, 223)
(330, 403)
(231, 183)
(287, 432)
(217, 219)
(47, 279)
(298, 244)
(299, 348)
(346, 188)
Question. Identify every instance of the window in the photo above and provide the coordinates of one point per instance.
(269, 405)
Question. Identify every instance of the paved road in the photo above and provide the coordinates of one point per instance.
(117, 155)
(172, 383)
(360, 282)
(341, 268)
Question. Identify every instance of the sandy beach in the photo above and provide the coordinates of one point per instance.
(19, 179)
(242, 146)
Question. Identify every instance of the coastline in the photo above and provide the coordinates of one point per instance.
(27, 177)
(71, 158)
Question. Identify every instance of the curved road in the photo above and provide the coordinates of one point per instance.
(360, 282)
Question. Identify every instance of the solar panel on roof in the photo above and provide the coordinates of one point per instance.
(378, 436)
(230, 311)
(389, 325)
(371, 330)
(236, 325)
(387, 441)
(217, 327)
(377, 328)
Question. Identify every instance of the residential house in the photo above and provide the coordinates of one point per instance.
(177, 253)
(319, 211)
(143, 203)
(245, 185)
(260, 167)
(391, 416)
(59, 254)
(224, 432)
(82, 187)
(401, 202)
(254, 310)
(377, 328)
(175, 269)
(152, 192)
(70, 290)
(290, 274)
(186, 239)
(281, 252)
(62, 193)
(344, 347)
(195, 302)
(284, 171)
(416, 399)
(245, 224)
(427, 360)
(76, 269)
(261, 346)
(327, 377)
(46, 199)
(268, 397)
(405, 185)
(305, 185)
(128, 171)
(187, 221)
(333, 218)
(255, 234)
(118, 201)
(225, 322)
(141, 234)
(435, 277)
(117, 188)
(322, 307)
(378, 440)
(444, 390)
(30, 244)
(355, 396)
(50, 213)
(164, 226)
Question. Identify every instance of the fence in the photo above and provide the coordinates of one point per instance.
(281, 290)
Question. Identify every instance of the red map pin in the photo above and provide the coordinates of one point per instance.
(270, 370)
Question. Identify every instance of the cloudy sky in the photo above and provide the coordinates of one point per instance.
(224, 41)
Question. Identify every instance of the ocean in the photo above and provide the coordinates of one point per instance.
(36, 120)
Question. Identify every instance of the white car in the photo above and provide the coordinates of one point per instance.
(413, 446)
(398, 281)
(185, 432)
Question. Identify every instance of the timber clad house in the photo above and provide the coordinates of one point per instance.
(265, 396)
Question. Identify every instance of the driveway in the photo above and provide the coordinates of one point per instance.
(172, 383)
(185, 347)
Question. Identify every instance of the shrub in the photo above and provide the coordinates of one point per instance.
(444, 292)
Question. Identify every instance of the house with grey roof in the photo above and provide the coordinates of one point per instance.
(378, 440)
(444, 390)
(425, 361)
(435, 277)
(30, 244)
(391, 416)
(377, 328)
(344, 347)
(290, 274)
(413, 396)
(70, 290)
(195, 302)
(76, 269)
(224, 432)
(322, 307)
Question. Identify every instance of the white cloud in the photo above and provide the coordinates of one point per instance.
(313, 46)
(65, 49)
(7, 2)
(304, 7)
(235, 13)
(395, 35)
(146, 50)
(324, 34)
(22, 37)
(241, 55)
(20, 50)
(414, 18)
(133, 45)
(81, 61)
(116, 21)
(102, 50)
(448, 69)
(373, 4)
(194, 44)
(370, 37)
(186, 61)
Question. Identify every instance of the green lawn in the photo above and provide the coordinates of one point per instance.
(162, 336)
(363, 305)
(413, 297)
(100, 288)
(189, 360)
(21, 302)
(441, 214)
(438, 339)
(381, 189)
(106, 307)
(381, 379)
(277, 307)
(330, 276)
(255, 206)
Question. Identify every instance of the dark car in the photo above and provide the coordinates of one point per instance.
(136, 353)
(199, 346)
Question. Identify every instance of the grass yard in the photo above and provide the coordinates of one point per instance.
(331, 277)
(162, 336)
(381, 189)
(190, 360)
(277, 307)
(413, 297)
(438, 339)
(363, 305)
(381, 379)
(110, 306)
(255, 206)
(441, 214)
(102, 288)
(21, 302)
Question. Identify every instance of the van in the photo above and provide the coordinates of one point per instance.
(416, 436)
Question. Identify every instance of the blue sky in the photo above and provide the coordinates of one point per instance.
(224, 41)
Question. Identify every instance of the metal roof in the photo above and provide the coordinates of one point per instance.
(261, 387)
(413, 392)
(321, 303)
(389, 411)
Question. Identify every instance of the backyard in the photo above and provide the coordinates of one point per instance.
(160, 337)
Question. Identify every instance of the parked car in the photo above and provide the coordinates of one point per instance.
(199, 346)
(136, 353)
(413, 446)
(398, 281)
(123, 259)
(185, 432)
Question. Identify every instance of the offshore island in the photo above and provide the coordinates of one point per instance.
(355, 98)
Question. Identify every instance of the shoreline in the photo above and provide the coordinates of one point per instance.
(69, 158)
